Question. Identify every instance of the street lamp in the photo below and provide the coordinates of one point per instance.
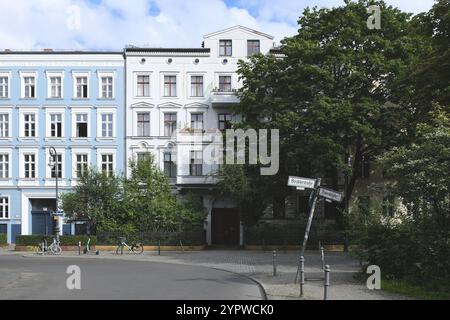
(53, 164)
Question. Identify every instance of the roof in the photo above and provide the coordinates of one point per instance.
(6, 51)
(166, 50)
(240, 28)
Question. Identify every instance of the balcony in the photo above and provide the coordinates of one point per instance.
(196, 180)
(220, 98)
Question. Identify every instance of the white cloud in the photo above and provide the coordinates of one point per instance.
(112, 24)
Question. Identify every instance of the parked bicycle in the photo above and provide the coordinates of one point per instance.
(134, 247)
(53, 248)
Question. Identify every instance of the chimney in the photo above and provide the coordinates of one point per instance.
(7, 50)
(48, 50)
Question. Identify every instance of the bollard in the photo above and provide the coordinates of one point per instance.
(302, 275)
(274, 262)
(79, 248)
(181, 245)
(159, 247)
(323, 258)
(327, 282)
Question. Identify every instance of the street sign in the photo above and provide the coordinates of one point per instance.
(302, 183)
(331, 194)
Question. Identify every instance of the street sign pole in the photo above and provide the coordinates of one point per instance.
(315, 196)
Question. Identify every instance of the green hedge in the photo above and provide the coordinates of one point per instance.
(191, 237)
(3, 238)
(68, 240)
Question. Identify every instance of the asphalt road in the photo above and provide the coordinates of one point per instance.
(46, 277)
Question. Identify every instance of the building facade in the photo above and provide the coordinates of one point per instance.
(71, 101)
(174, 93)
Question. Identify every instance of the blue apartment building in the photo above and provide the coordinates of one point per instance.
(71, 101)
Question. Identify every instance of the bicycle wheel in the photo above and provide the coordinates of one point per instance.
(119, 250)
(56, 249)
(137, 248)
(39, 250)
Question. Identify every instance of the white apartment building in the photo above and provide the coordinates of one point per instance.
(171, 90)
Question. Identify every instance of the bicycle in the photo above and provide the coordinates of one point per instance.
(54, 248)
(135, 247)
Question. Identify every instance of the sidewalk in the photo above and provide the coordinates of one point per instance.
(258, 265)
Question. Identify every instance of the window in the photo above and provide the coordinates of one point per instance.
(197, 86)
(81, 87)
(107, 125)
(4, 208)
(107, 87)
(170, 169)
(225, 48)
(143, 156)
(225, 83)
(143, 124)
(55, 87)
(30, 125)
(225, 121)
(81, 125)
(252, 47)
(170, 124)
(81, 164)
(170, 86)
(196, 163)
(143, 86)
(30, 87)
(56, 125)
(4, 87)
(4, 166)
(197, 121)
(107, 164)
(57, 169)
(30, 166)
(4, 125)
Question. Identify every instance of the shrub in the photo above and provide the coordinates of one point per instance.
(68, 240)
(3, 239)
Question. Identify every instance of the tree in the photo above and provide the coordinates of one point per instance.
(96, 199)
(150, 204)
(328, 95)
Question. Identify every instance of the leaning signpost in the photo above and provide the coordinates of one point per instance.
(329, 195)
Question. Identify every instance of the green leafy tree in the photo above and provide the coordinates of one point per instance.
(328, 95)
(96, 199)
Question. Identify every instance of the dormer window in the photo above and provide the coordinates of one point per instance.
(225, 48)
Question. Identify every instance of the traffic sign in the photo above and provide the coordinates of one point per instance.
(331, 194)
(301, 183)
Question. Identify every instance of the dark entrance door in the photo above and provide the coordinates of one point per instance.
(224, 227)
(41, 222)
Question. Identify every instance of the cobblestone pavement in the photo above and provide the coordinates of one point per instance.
(258, 265)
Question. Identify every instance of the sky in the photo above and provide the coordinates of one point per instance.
(113, 24)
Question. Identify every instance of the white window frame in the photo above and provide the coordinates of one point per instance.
(8, 166)
(101, 75)
(75, 153)
(81, 110)
(135, 84)
(77, 74)
(2, 207)
(190, 86)
(6, 111)
(22, 113)
(24, 75)
(177, 85)
(224, 74)
(28, 181)
(50, 75)
(48, 170)
(48, 113)
(7, 75)
(100, 112)
(102, 152)
(203, 118)
(7, 181)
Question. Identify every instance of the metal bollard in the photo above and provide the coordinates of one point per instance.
(327, 282)
(181, 245)
(322, 257)
(274, 262)
(79, 248)
(159, 247)
(302, 275)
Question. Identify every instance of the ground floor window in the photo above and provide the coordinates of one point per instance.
(4, 208)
